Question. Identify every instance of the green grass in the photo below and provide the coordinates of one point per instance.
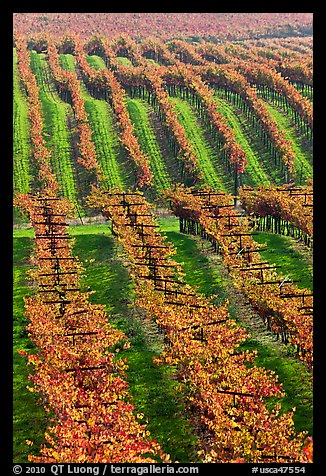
(21, 136)
(296, 380)
(56, 132)
(151, 61)
(96, 62)
(251, 139)
(108, 149)
(208, 159)
(124, 61)
(139, 112)
(282, 253)
(200, 271)
(303, 153)
(194, 263)
(255, 174)
(67, 62)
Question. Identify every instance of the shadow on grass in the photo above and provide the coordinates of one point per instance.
(196, 265)
(280, 252)
(22, 247)
(292, 374)
(29, 418)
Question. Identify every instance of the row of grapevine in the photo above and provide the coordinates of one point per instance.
(226, 398)
(75, 369)
(133, 77)
(286, 308)
(69, 88)
(140, 77)
(40, 152)
(160, 99)
(270, 80)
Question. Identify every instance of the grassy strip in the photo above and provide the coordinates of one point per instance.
(255, 174)
(139, 114)
(21, 140)
(208, 159)
(96, 62)
(106, 140)
(151, 61)
(259, 150)
(57, 134)
(124, 61)
(303, 153)
(29, 419)
(211, 279)
(108, 149)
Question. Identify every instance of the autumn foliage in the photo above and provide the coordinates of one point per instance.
(266, 290)
(225, 397)
(41, 153)
(75, 369)
(294, 205)
(68, 81)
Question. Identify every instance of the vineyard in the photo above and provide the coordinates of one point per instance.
(163, 238)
